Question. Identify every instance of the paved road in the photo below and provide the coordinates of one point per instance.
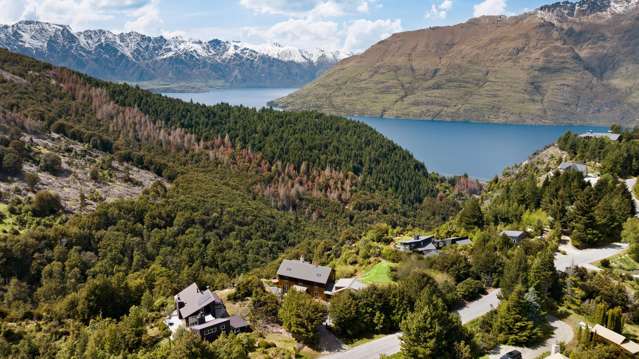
(584, 258)
(390, 344)
(630, 183)
(562, 333)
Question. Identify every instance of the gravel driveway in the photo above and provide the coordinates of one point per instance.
(562, 333)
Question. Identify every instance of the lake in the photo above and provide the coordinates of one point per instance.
(481, 150)
(247, 97)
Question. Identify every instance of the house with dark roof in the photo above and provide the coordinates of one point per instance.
(315, 280)
(514, 236)
(204, 313)
(415, 244)
(429, 245)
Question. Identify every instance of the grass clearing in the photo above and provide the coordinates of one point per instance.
(379, 274)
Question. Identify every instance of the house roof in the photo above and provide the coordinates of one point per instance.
(609, 135)
(417, 239)
(608, 334)
(513, 234)
(631, 347)
(349, 283)
(194, 299)
(304, 271)
(238, 322)
(209, 324)
(427, 248)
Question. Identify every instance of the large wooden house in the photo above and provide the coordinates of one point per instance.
(204, 313)
(317, 281)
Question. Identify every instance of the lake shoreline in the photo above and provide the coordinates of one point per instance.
(481, 150)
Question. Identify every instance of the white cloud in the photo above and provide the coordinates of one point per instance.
(490, 7)
(307, 8)
(82, 14)
(146, 19)
(363, 7)
(361, 34)
(439, 11)
(302, 33)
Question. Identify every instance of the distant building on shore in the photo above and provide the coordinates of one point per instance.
(609, 135)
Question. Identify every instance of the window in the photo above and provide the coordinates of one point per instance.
(209, 331)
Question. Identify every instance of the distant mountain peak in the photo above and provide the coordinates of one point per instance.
(585, 8)
(137, 57)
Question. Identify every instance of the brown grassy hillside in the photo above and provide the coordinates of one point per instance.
(531, 68)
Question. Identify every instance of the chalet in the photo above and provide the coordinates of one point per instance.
(574, 166)
(415, 244)
(204, 313)
(615, 338)
(317, 281)
(514, 236)
(429, 245)
(609, 135)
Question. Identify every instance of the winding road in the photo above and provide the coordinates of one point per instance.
(390, 344)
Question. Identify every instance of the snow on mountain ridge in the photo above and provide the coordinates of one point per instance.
(36, 35)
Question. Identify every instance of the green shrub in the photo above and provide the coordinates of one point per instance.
(50, 162)
(45, 204)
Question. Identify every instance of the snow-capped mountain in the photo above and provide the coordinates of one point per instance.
(584, 8)
(135, 57)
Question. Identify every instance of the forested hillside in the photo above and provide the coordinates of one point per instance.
(240, 188)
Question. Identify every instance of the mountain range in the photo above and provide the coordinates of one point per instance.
(569, 62)
(167, 63)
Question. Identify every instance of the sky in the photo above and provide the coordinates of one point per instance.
(347, 25)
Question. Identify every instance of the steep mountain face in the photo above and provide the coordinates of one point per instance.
(564, 63)
(134, 57)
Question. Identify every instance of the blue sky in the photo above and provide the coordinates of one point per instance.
(350, 25)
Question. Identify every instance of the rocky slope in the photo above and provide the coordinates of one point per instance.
(158, 61)
(563, 63)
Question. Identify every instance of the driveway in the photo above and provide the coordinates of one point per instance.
(390, 344)
(630, 183)
(562, 333)
(585, 257)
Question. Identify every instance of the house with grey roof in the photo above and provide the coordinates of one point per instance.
(315, 280)
(429, 245)
(514, 236)
(204, 313)
(613, 337)
(608, 135)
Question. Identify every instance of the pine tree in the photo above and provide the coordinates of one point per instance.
(515, 271)
(543, 275)
(471, 215)
(431, 331)
(614, 320)
(513, 325)
(584, 233)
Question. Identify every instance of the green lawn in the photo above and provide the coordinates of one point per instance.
(379, 274)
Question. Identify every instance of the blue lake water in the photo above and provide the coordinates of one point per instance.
(481, 150)
(247, 97)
